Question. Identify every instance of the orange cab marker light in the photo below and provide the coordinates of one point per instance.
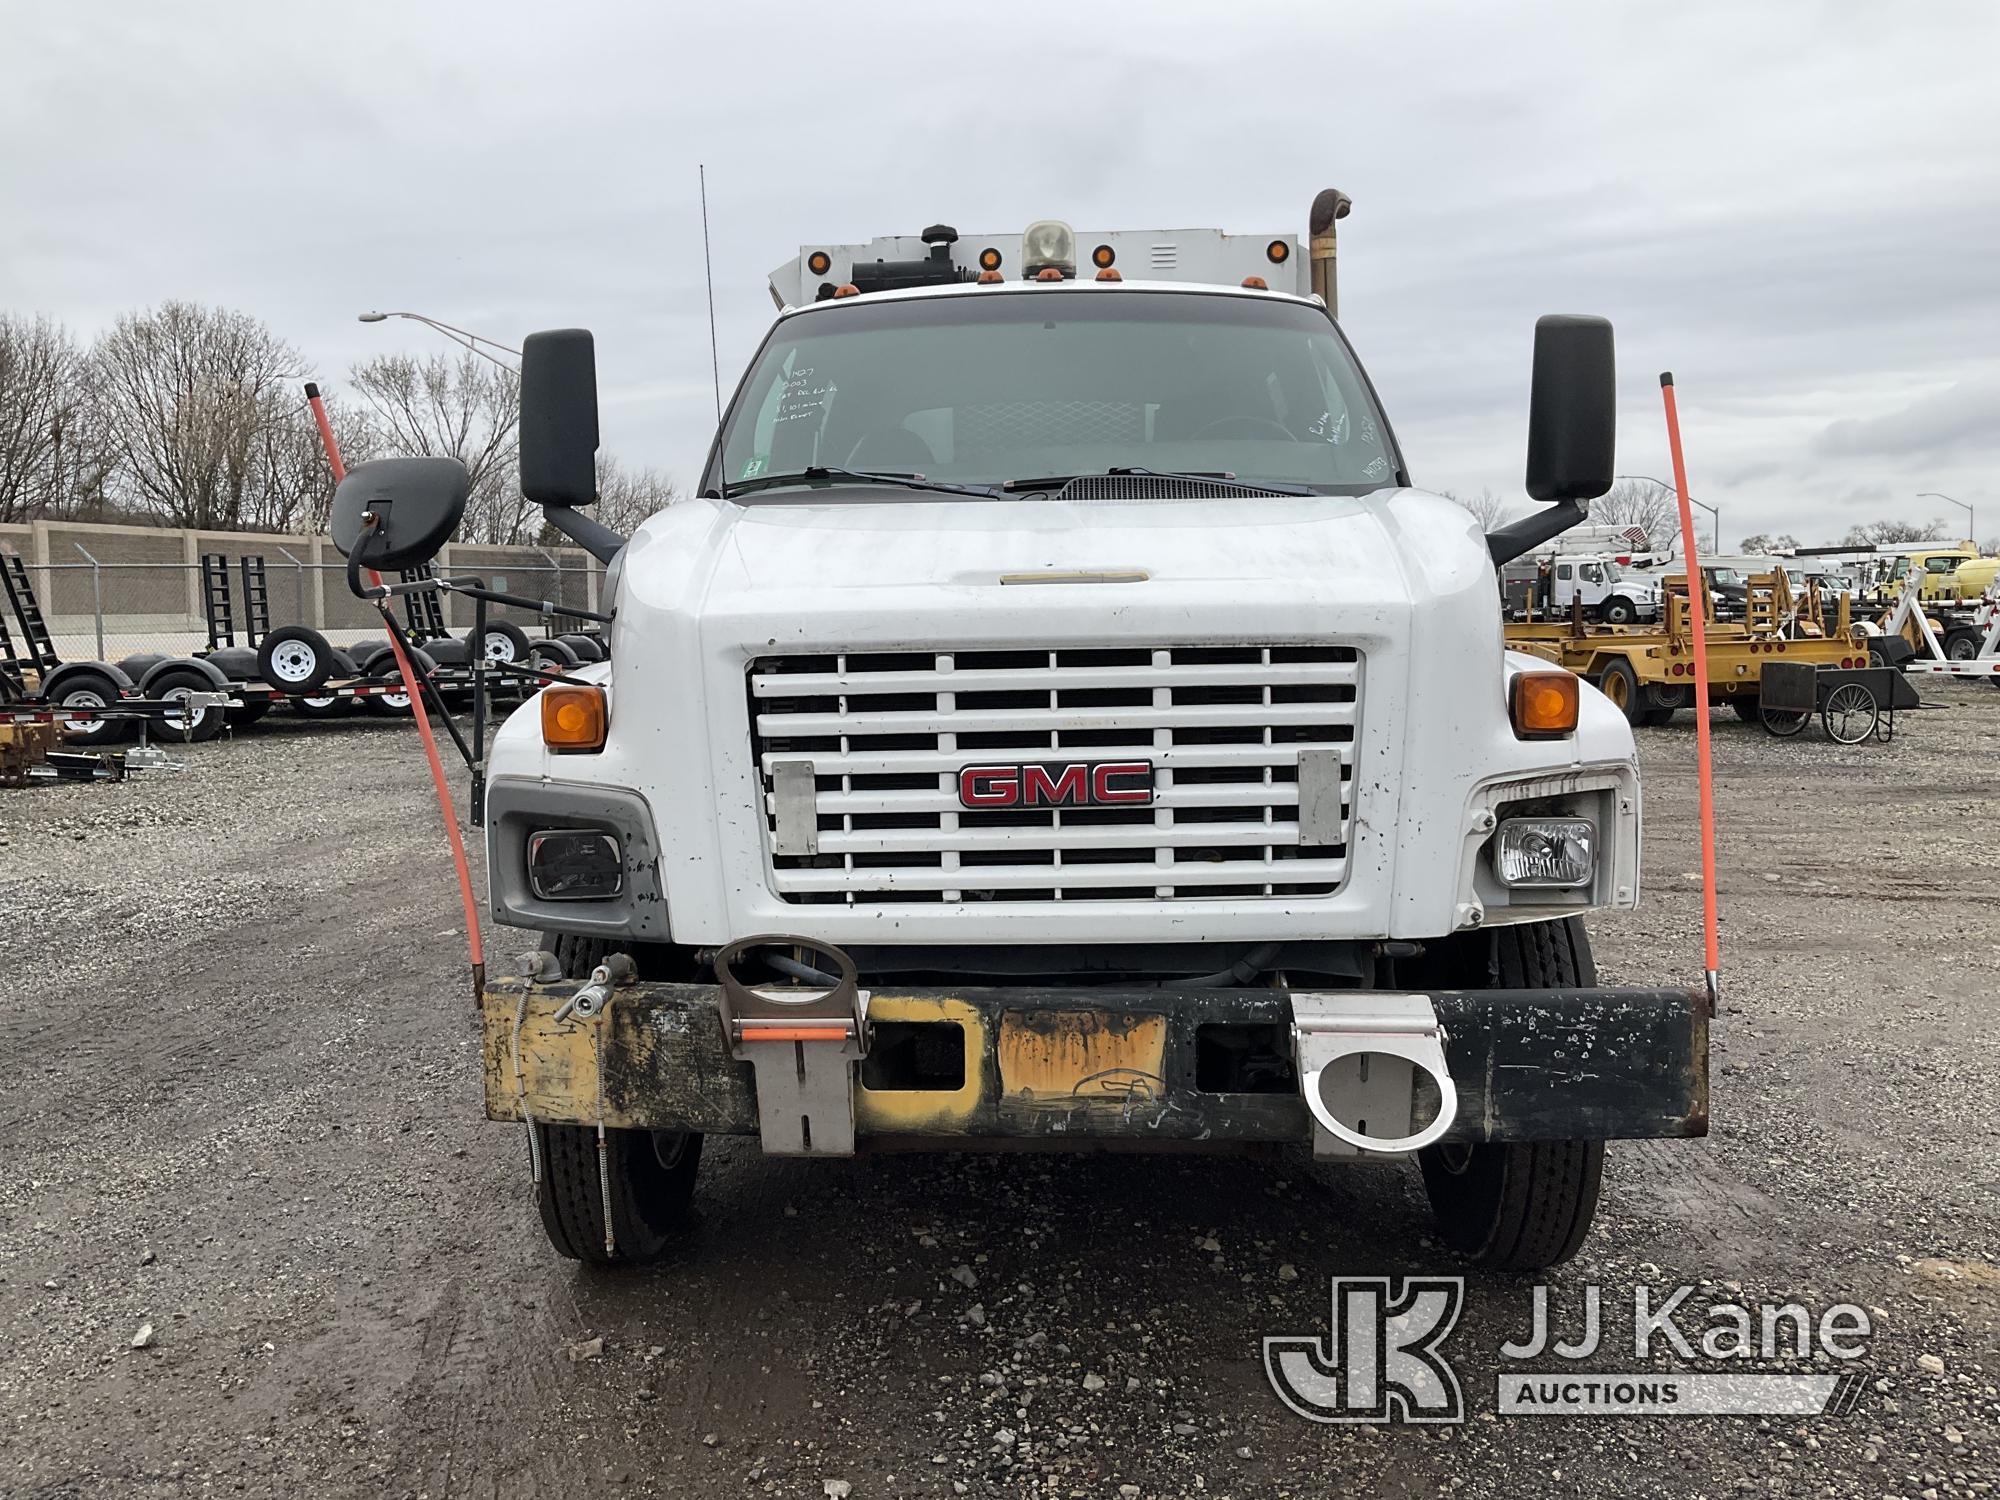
(1109, 273)
(1256, 283)
(990, 278)
(847, 289)
(1278, 252)
(1048, 273)
(573, 717)
(819, 262)
(1545, 704)
(1103, 256)
(989, 259)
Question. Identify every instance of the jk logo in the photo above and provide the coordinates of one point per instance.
(1380, 1362)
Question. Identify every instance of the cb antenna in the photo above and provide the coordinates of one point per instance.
(714, 357)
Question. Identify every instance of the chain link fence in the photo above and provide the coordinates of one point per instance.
(99, 610)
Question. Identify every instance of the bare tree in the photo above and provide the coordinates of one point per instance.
(1888, 533)
(466, 409)
(1765, 541)
(625, 497)
(1651, 507)
(1489, 509)
(301, 473)
(53, 457)
(193, 396)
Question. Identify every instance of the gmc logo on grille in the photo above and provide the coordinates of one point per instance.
(1105, 783)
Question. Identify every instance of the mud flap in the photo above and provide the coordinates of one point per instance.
(1362, 1051)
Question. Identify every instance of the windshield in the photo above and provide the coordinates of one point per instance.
(1724, 575)
(1025, 385)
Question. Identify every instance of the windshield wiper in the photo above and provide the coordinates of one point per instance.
(1219, 476)
(819, 473)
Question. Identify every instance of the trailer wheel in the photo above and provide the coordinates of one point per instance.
(85, 687)
(178, 722)
(553, 655)
(1618, 610)
(1521, 1205)
(651, 1172)
(1850, 714)
(1620, 684)
(587, 648)
(1744, 706)
(327, 705)
(1783, 722)
(504, 641)
(1961, 645)
(295, 658)
(394, 704)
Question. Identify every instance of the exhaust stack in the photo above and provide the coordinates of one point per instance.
(1329, 208)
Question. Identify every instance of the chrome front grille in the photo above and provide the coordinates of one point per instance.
(887, 734)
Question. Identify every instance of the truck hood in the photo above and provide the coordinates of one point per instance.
(711, 558)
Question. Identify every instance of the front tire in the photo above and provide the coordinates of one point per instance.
(651, 1172)
(1618, 610)
(1521, 1205)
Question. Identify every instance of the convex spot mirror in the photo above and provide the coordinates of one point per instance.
(1573, 408)
(417, 503)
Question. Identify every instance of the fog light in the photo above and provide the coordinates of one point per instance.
(1554, 852)
(575, 864)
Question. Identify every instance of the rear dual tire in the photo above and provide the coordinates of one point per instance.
(1521, 1205)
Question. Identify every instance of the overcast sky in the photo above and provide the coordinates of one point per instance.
(1795, 207)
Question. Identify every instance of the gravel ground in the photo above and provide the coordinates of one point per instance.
(244, 1131)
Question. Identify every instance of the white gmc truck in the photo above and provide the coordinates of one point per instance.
(1059, 720)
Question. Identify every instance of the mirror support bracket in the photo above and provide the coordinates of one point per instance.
(599, 540)
(1528, 533)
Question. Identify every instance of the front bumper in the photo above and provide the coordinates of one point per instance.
(1082, 1067)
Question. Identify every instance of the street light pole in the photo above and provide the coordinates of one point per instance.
(1713, 510)
(1971, 524)
(459, 336)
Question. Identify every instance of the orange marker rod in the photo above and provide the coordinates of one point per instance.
(467, 900)
(1697, 613)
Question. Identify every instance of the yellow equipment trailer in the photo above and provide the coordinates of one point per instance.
(1648, 671)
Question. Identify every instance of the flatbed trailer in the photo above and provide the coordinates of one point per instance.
(1648, 671)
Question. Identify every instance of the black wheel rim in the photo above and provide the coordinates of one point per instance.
(1850, 714)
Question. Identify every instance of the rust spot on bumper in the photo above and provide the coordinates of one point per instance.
(1061, 1059)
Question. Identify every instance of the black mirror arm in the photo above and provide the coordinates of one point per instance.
(600, 541)
(1528, 533)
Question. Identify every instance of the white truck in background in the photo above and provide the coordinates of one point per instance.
(1059, 720)
(1554, 583)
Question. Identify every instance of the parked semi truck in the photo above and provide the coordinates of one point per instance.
(1058, 720)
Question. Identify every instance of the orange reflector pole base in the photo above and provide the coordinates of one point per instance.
(1697, 610)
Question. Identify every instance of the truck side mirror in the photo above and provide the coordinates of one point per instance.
(559, 417)
(416, 504)
(1573, 408)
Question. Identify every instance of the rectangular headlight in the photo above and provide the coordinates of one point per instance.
(575, 864)
(1551, 852)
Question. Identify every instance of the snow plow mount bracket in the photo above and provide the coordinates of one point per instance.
(1349, 1043)
(804, 1043)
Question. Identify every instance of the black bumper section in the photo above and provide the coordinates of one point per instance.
(1082, 1066)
